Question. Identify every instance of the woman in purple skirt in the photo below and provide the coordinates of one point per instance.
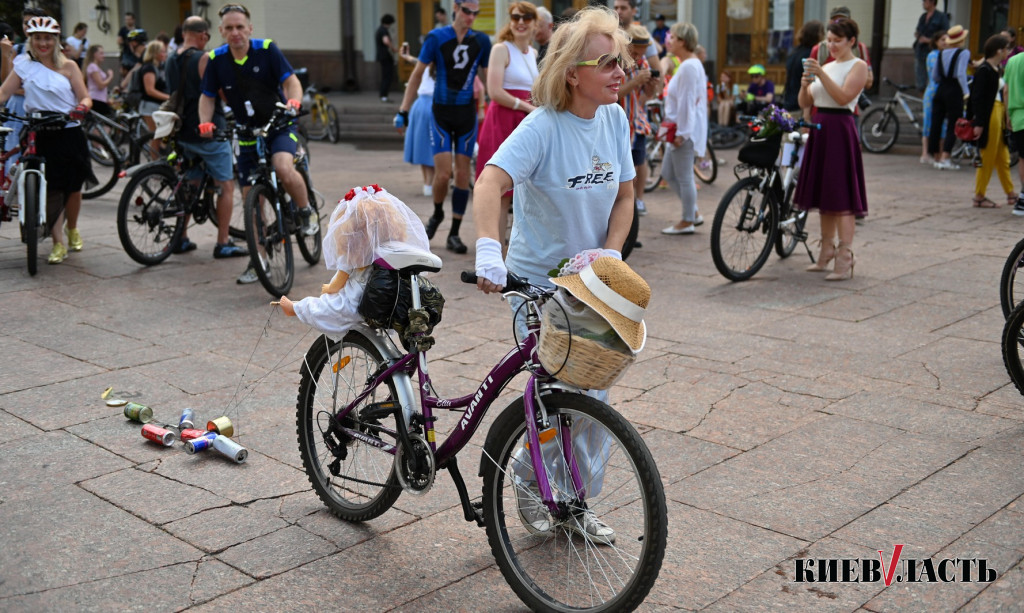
(832, 176)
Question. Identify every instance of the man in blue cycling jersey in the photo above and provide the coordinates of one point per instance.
(254, 76)
(457, 52)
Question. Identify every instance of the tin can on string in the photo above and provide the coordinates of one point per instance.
(158, 435)
(189, 434)
(186, 420)
(230, 448)
(199, 444)
(221, 425)
(138, 412)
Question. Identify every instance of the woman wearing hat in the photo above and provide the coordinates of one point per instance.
(53, 83)
(948, 105)
(570, 165)
(832, 175)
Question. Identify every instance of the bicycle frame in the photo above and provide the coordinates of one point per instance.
(475, 405)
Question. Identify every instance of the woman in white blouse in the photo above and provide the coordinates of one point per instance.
(686, 105)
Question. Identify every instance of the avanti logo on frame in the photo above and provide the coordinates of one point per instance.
(894, 569)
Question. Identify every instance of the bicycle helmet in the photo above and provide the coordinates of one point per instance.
(756, 69)
(138, 35)
(47, 25)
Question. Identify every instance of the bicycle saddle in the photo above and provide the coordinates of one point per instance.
(406, 259)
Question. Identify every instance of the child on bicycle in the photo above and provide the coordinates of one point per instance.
(367, 218)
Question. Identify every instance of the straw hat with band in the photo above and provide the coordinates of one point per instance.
(616, 293)
(956, 36)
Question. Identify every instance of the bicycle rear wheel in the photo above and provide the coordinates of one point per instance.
(1011, 289)
(726, 137)
(310, 246)
(791, 225)
(333, 125)
(706, 168)
(150, 220)
(106, 165)
(553, 563)
(879, 129)
(30, 231)
(1013, 340)
(269, 240)
(744, 229)
(357, 481)
(655, 158)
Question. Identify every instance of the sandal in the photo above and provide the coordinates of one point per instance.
(1011, 199)
(985, 203)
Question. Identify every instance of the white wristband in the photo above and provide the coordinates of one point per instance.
(515, 107)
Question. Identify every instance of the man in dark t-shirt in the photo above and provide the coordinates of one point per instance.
(457, 52)
(128, 58)
(385, 55)
(185, 71)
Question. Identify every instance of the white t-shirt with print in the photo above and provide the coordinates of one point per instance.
(566, 171)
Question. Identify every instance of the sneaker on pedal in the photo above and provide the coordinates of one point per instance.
(432, 224)
(455, 244)
(641, 208)
(228, 250)
(247, 277)
(587, 525)
(532, 511)
(58, 254)
(1018, 207)
(310, 221)
(74, 239)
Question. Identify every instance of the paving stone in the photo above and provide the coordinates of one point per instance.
(47, 462)
(483, 591)
(39, 366)
(343, 534)
(277, 552)
(1005, 594)
(170, 588)
(920, 417)
(92, 544)
(216, 529)
(290, 508)
(12, 428)
(124, 438)
(151, 497)
(678, 457)
(259, 477)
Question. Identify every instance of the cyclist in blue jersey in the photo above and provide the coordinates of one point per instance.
(457, 52)
(254, 76)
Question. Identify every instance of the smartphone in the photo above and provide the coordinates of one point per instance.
(655, 74)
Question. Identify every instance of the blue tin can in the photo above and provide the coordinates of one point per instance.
(199, 444)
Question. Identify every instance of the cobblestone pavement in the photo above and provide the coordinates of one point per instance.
(790, 418)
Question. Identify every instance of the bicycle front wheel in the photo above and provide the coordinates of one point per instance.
(879, 129)
(269, 240)
(791, 225)
(570, 562)
(655, 158)
(1013, 340)
(744, 229)
(106, 165)
(149, 218)
(236, 227)
(727, 137)
(30, 231)
(1009, 293)
(357, 481)
(706, 168)
(310, 245)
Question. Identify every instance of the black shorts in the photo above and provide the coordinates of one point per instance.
(454, 125)
(1018, 139)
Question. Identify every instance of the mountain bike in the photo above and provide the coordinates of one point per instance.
(159, 199)
(25, 187)
(1012, 341)
(115, 145)
(271, 217)
(880, 127)
(757, 212)
(363, 442)
(1011, 289)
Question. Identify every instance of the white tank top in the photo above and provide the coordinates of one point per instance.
(521, 71)
(837, 71)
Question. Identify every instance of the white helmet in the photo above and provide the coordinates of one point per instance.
(48, 25)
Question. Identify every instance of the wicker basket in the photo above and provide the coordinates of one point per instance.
(574, 359)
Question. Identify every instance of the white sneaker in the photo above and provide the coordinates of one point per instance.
(641, 208)
(310, 221)
(532, 511)
(249, 276)
(428, 190)
(588, 525)
(946, 165)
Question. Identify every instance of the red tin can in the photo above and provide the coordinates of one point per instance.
(158, 435)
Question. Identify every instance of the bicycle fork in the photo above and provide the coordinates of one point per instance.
(534, 413)
(41, 173)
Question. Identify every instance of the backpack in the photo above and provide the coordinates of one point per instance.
(133, 95)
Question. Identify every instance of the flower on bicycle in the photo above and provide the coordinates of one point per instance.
(573, 265)
(773, 120)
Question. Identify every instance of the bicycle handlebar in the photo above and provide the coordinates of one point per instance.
(513, 283)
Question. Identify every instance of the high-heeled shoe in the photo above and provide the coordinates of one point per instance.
(844, 264)
(825, 255)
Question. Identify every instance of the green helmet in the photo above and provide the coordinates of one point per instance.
(756, 69)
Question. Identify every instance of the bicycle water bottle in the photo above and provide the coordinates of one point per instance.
(248, 109)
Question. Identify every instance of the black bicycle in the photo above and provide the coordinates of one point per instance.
(160, 199)
(272, 217)
(115, 145)
(757, 212)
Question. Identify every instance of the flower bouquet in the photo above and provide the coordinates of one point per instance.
(771, 121)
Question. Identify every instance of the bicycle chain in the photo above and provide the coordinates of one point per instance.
(365, 482)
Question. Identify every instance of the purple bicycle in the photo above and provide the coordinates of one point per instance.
(572, 502)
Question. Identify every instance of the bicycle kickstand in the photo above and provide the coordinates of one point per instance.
(471, 511)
